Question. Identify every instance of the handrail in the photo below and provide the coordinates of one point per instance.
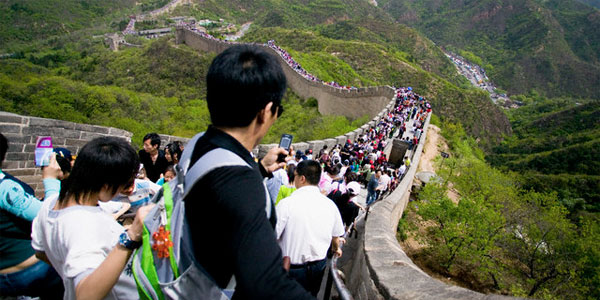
(334, 276)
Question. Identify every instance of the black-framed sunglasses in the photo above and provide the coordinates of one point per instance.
(279, 110)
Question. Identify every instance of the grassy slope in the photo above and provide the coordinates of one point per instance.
(345, 20)
(373, 64)
(378, 52)
(27, 21)
(155, 88)
(552, 47)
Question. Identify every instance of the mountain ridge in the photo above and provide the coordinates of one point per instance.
(552, 47)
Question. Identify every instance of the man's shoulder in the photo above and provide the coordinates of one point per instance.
(230, 179)
(144, 156)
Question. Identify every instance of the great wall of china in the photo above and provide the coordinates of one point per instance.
(349, 103)
(379, 268)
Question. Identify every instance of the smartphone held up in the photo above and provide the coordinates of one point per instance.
(285, 142)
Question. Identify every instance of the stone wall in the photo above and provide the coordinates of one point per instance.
(332, 101)
(22, 133)
(382, 270)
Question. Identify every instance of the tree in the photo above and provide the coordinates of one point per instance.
(541, 243)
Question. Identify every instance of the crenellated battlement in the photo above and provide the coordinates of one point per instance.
(353, 103)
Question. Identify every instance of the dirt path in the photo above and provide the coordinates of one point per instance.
(434, 145)
(236, 36)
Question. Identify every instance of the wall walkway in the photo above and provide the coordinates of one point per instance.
(380, 269)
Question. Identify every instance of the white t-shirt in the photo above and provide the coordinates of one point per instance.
(306, 223)
(402, 169)
(76, 240)
(342, 171)
(384, 180)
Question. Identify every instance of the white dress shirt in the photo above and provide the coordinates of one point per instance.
(306, 223)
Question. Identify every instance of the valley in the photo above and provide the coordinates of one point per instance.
(514, 87)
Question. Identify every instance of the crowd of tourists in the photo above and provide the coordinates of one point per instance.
(273, 236)
(364, 160)
(130, 28)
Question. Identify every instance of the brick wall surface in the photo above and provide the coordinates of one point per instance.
(22, 133)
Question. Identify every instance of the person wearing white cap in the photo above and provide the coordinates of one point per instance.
(350, 210)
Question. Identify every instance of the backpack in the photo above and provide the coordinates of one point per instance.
(338, 197)
(348, 210)
(164, 266)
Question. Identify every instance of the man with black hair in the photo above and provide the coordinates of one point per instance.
(21, 273)
(229, 213)
(152, 157)
(308, 223)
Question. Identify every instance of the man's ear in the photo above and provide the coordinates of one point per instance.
(302, 179)
(264, 113)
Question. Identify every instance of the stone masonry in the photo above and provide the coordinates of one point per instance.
(22, 133)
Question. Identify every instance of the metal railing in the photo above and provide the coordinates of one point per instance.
(334, 274)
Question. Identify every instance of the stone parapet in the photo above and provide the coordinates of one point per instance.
(22, 133)
(387, 272)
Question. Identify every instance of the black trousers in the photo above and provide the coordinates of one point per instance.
(309, 275)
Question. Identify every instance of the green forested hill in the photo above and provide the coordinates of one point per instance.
(550, 46)
(155, 88)
(26, 21)
(351, 42)
(555, 146)
(364, 63)
(594, 3)
(338, 19)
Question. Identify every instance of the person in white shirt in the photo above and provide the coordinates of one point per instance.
(402, 169)
(307, 224)
(88, 248)
(384, 182)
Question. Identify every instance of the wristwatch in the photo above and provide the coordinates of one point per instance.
(128, 243)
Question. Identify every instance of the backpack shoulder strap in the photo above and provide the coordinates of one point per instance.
(212, 160)
(187, 175)
(186, 156)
